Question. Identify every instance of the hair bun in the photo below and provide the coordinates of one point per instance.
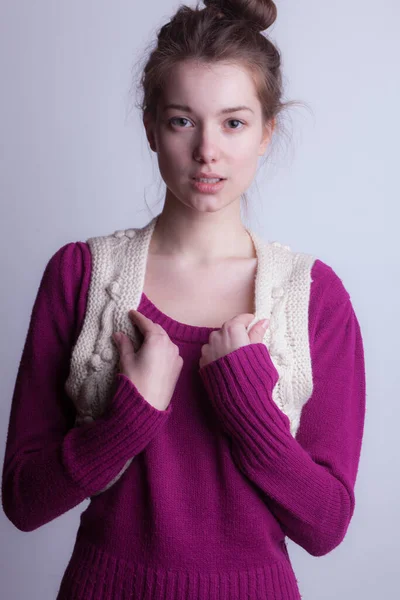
(261, 13)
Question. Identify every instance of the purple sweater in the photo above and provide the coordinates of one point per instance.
(217, 481)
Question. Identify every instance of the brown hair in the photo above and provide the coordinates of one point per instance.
(224, 31)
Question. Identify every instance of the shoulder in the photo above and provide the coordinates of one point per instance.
(328, 292)
(331, 312)
(327, 284)
(115, 237)
(68, 263)
(303, 268)
(65, 283)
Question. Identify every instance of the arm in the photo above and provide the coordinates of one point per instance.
(308, 481)
(50, 466)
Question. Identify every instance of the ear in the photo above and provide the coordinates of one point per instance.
(149, 127)
(267, 135)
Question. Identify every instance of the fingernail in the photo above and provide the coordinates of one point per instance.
(264, 323)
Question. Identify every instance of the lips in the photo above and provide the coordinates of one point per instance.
(211, 178)
(208, 176)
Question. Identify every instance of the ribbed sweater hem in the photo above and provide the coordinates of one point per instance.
(94, 574)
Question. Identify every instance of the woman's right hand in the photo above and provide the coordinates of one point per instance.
(154, 369)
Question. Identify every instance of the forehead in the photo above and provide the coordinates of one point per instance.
(202, 86)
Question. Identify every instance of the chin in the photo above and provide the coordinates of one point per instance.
(209, 204)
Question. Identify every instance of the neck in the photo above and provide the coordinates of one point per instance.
(201, 238)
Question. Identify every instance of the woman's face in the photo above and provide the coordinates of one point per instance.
(198, 136)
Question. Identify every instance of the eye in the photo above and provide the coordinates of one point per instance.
(187, 120)
(237, 121)
(177, 119)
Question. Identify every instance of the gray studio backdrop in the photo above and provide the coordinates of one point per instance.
(75, 163)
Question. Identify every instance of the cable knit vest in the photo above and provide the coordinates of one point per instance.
(282, 292)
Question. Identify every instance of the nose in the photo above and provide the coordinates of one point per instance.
(206, 148)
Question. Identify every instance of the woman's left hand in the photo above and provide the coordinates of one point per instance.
(230, 337)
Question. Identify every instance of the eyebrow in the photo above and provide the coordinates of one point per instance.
(221, 112)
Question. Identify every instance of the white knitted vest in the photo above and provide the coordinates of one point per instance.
(282, 292)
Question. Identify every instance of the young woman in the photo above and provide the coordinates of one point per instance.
(148, 381)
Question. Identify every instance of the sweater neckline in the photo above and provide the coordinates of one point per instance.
(175, 329)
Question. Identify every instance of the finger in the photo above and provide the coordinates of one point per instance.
(144, 324)
(124, 344)
(244, 318)
(258, 330)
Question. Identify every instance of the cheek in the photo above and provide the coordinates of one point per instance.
(172, 166)
(245, 162)
(245, 148)
(172, 151)
(172, 142)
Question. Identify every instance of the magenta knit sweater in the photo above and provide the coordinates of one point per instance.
(217, 481)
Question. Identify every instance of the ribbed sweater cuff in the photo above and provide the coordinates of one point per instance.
(94, 453)
(240, 385)
(240, 388)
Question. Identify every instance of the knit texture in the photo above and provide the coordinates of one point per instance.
(217, 481)
(282, 290)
